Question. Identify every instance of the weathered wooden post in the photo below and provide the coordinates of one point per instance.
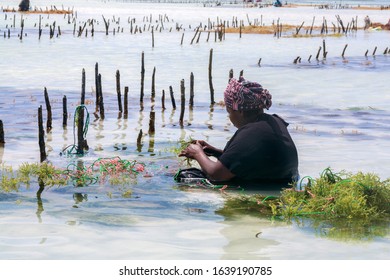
(153, 91)
(1, 133)
(152, 38)
(172, 97)
(230, 74)
(81, 142)
(324, 49)
(210, 77)
(97, 87)
(101, 102)
(49, 113)
(118, 90)
(107, 24)
(192, 90)
(41, 135)
(2, 141)
(183, 101)
(21, 30)
(142, 79)
(126, 106)
(64, 112)
(318, 53)
(345, 47)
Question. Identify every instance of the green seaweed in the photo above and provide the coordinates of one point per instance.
(340, 195)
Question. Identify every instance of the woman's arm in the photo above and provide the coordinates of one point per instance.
(215, 170)
(209, 150)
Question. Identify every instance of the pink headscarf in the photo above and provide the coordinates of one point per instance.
(245, 95)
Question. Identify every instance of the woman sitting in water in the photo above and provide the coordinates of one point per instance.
(261, 150)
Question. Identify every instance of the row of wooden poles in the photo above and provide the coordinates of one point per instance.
(322, 48)
(100, 111)
(339, 28)
(218, 27)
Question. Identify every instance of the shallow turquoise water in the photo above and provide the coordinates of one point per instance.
(338, 110)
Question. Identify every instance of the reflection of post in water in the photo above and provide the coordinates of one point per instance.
(39, 199)
(140, 119)
(139, 141)
(80, 167)
(79, 197)
(182, 135)
(163, 117)
(210, 121)
(151, 131)
(190, 115)
(49, 138)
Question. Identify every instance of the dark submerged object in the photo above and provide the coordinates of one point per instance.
(24, 5)
(194, 176)
(277, 3)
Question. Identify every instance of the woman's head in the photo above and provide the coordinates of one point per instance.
(244, 95)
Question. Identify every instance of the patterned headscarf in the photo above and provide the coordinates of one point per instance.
(245, 95)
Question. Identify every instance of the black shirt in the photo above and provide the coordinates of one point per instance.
(262, 151)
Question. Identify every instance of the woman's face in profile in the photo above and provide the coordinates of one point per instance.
(234, 116)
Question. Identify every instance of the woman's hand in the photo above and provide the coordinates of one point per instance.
(208, 149)
(192, 151)
(215, 170)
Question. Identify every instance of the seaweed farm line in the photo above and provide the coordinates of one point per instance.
(330, 83)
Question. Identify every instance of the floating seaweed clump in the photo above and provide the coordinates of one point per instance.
(331, 196)
(115, 171)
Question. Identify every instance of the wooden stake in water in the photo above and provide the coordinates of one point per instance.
(152, 38)
(49, 113)
(118, 90)
(192, 90)
(1, 133)
(100, 98)
(172, 97)
(324, 52)
(153, 91)
(97, 87)
(345, 47)
(82, 143)
(107, 24)
(126, 98)
(183, 101)
(211, 77)
(142, 78)
(64, 112)
(41, 135)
